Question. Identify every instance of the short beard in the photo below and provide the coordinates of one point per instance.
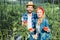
(29, 12)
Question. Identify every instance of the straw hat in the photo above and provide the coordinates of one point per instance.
(30, 3)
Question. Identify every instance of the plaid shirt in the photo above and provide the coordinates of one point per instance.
(25, 18)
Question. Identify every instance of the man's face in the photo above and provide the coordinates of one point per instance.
(30, 8)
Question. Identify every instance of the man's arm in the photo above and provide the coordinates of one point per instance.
(24, 23)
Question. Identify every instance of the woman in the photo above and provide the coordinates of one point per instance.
(42, 26)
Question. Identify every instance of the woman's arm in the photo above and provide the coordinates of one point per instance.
(47, 28)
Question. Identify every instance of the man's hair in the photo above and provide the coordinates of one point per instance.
(30, 5)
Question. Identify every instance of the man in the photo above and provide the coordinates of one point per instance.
(28, 18)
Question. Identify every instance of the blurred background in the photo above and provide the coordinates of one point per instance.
(10, 18)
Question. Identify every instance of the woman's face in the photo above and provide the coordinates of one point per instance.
(39, 13)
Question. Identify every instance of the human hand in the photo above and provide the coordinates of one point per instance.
(31, 29)
(35, 36)
(46, 29)
(24, 23)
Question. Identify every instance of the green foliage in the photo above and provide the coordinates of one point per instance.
(51, 12)
(24, 32)
(10, 19)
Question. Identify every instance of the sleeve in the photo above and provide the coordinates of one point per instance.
(47, 25)
(22, 19)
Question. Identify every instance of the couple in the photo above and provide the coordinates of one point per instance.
(36, 23)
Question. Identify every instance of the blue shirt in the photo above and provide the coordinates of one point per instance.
(25, 18)
(43, 35)
(43, 24)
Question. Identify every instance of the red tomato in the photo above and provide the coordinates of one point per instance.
(25, 21)
(30, 29)
(45, 28)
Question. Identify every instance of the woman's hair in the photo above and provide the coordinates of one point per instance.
(40, 19)
(40, 8)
